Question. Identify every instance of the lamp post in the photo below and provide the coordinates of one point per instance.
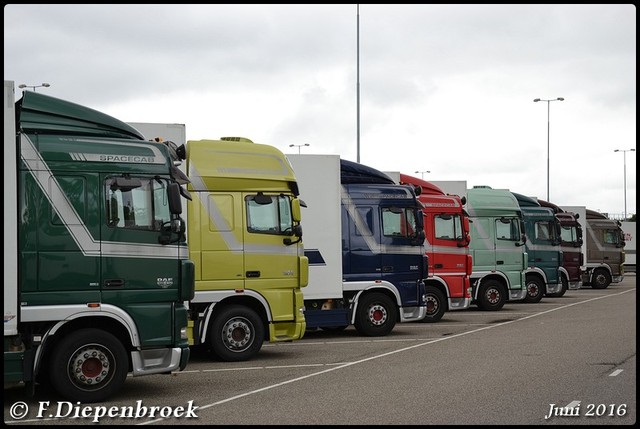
(624, 158)
(548, 125)
(298, 146)
(422, 173)
(42, 85)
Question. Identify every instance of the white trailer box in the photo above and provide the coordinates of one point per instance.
(10, 213)
(319, 181)
(629, 229)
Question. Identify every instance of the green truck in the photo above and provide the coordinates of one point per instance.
(497, 244)
(544, 253)
(96, 264)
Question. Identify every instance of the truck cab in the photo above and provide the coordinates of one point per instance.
(542, 231)
(447, 238)
(102, 269)
(497, 247)
(364, 238)
(571, 240)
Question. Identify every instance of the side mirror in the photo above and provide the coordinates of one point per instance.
(173, 194)
(296, 212)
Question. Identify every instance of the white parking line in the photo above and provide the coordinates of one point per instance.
(422, 344)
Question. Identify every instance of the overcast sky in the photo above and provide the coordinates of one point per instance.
(443, 88)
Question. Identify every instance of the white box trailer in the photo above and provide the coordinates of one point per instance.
(629, 230)
(319, 180)
(10, 214)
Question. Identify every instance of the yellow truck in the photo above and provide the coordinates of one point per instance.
(244, 235)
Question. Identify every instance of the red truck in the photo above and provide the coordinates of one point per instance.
(446, 225)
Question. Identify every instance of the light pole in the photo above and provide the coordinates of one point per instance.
(548, 125)
(298, 146)
(422, 173)
(42, 85)
(624, 158)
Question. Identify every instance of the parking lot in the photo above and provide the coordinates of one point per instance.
(569, 360)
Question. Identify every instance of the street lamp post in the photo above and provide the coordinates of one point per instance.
(298, 146)
(422, 173)
(624, 158)
(42, 85)
(548, 126)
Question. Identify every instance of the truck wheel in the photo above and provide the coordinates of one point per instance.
(491, 296)
(563, 289)
(535, 290)
(601, 279)
(236, 334)
(436, 305)
(88, 366)
(376, 315)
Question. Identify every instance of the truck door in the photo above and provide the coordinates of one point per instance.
(401, 256)
(135, 268)
(606, 244)
(450, 250)
(509, 250)
(270, 265)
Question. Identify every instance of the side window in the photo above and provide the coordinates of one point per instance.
(544, 231)
(611, 236)
(568, 234)
(136, 203)
(448, 227)
(398, 222)
(507, 229)
(269, 214)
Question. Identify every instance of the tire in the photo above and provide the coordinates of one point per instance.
(492, 296)
(236, 334)
(601, 279)
(376, 315)
(436, 305)
(535, 290)
(88, 366)
(563, 289)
